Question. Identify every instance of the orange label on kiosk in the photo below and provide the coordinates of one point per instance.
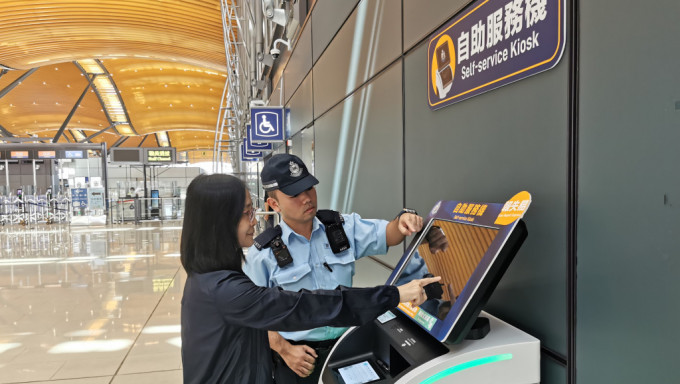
(514, 208)
(408, 309)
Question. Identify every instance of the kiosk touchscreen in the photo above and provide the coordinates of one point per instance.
(447, 339)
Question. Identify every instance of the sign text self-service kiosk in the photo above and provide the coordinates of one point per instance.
(448, 339)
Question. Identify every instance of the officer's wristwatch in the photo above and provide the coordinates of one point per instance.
(405, 210)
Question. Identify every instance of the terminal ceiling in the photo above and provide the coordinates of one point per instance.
(165, 57)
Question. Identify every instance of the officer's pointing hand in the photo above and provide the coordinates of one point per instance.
(409, 224)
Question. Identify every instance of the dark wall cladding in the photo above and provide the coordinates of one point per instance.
(421, 20)
(488, 148)
(515, 138)
(629, 193)
(368, 42)
(328, 16)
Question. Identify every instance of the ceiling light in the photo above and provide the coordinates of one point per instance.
(163, 139)
(77, 134)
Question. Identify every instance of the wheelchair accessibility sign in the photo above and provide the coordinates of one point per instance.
(266, 125)
(250, 146)
(249, 155)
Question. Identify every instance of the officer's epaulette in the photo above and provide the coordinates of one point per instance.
(264, 239)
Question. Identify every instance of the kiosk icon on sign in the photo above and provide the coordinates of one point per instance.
(267, 124)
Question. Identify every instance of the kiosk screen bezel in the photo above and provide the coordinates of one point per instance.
(483, 279)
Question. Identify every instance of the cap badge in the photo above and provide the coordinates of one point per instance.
(295, 170)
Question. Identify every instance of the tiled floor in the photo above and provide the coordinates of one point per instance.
(100, 305)
(90, 304)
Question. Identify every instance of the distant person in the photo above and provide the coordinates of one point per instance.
(225, 316)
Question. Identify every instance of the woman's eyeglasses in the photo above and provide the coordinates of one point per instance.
(250, 213)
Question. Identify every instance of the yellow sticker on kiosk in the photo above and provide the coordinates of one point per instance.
(514, 208)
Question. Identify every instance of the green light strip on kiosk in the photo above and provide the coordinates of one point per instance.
(464, 366)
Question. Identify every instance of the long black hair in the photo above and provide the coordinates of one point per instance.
(214, 206)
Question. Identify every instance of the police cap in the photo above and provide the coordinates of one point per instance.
(288, 174)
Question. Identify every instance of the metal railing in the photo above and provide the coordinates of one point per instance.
(40, 210)
(136, 209)
(34, 210)
(234, 95)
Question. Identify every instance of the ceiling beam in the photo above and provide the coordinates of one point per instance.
(143, 140)
(5, 132)
(17, 82)
(92, 136)
(120, 141)
(73, 110)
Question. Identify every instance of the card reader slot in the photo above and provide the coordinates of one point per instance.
(397, 363)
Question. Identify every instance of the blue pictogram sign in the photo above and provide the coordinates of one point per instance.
(266, 125)
(255, 147)
(79, 197)
(249, 155)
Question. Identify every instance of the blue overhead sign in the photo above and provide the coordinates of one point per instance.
(249, 155)
(491, 44)
(266, 125)
(255, 147)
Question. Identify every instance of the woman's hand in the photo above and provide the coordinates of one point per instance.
(414, 292)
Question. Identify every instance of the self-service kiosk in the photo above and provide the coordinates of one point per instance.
(447, 339)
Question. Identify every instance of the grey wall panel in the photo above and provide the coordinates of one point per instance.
(552, 372)
(300, 105)
(367, 42)
(299, 65)
(420, 20)
(276, 97)
(488, 148)
(358, 152)
(629, 193)
(302, 146)
(327, 18)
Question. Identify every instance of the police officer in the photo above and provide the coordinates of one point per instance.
(312, 250)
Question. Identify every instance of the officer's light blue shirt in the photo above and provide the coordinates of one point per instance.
(366, 237)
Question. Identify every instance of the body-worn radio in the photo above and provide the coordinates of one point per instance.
(281, 253)
(335, 232)
(272, 238)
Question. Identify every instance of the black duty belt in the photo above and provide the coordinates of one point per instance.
(315, 344)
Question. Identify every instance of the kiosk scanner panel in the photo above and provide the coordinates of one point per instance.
(470, 245)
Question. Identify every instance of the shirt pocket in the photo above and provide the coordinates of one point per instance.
(342, 265)
(294, 277)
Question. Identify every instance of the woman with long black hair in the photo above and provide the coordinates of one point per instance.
(225, 316)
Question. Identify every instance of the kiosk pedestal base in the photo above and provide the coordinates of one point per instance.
(398, 351)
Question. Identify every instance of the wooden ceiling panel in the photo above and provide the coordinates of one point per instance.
(189, 140)
(109, 138)
(164, 96)
(150, 142)
(43, 101)
(166, 57)
(43, 32)
(9, 77)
